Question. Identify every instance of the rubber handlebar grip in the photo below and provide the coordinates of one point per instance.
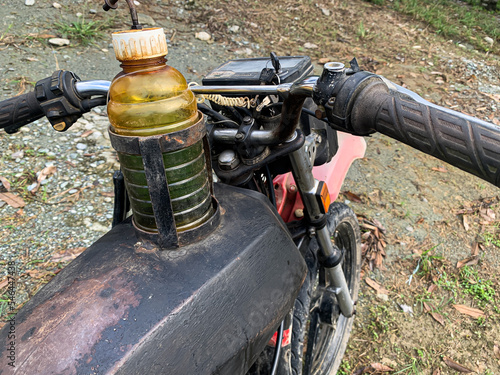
(20, 110)
(463, 141)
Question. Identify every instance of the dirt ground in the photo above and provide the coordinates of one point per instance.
(421, 311)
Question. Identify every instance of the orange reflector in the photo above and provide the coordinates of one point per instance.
(325, 197)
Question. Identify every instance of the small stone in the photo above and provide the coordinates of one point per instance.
(17, 155)
(72, 191)
(145, 19)
(59, 42)
(383, 297)
(29, 2)
(234, 28)
(136, 3)
(245, 51)
(254, 25)
(409, 228)
(79, 14)
(489, 40)
(32, 186)
(326, 12)
(406, 309)
(203, 35)
(81, 146)
(310, 45)
(57, 5)
(92, 11)
(99, 227)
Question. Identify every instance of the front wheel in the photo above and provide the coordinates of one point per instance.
(320, 332)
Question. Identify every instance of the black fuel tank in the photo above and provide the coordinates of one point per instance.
(206, 308)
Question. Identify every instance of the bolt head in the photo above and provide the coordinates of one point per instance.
(228, 160)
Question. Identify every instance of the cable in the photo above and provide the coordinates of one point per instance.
(272, 196)
(277, 353)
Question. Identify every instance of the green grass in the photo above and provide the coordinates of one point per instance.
(472, 284)
(83, 31)
(458, 21)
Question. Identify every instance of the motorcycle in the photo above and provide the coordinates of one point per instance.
(267, 284)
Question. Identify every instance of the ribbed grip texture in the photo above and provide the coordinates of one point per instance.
(20, 110)
(460, 140)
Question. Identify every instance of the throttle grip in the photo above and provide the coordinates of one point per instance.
(18, 111)
(365, 103)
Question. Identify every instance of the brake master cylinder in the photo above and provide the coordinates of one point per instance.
(159, 136)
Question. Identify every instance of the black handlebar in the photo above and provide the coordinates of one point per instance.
(357, 102)
(18, 111)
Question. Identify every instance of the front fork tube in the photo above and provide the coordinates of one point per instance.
(308, 185)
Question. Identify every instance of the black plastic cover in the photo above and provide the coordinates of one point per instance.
(248, 71)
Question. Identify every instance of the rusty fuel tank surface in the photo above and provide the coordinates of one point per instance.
(206, 308)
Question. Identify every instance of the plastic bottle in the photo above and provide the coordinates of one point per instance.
(149, 98)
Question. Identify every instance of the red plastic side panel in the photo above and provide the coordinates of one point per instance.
(289, 203)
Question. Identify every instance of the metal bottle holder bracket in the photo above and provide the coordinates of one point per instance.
(151, 149)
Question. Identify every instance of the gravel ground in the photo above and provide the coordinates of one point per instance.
(414, 196)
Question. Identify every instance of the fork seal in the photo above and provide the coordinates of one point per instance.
(332, 260)
(319, 223)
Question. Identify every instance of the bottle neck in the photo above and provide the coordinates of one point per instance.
(137, 65)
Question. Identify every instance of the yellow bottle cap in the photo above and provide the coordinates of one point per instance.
(132, 45)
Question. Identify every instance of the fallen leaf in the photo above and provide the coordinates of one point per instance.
(4, 283)
(42, 36)
(324, 60)
(466, 222)
(46, 172)
(469, 261)
(496, 351)
(67, 254)
(440, 169)
(455, 366)
(475, 313)
(12, 200)
(436, 372)
(5, 183)
(487, 214)
(376, 286)
(427, 307)
(108, 193)
(353, 197)
(87, 133)
(432, 288)
(380, 367)
(438, 318)
(475, 249)
(37, 274)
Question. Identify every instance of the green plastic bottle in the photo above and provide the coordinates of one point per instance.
(149, 98)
